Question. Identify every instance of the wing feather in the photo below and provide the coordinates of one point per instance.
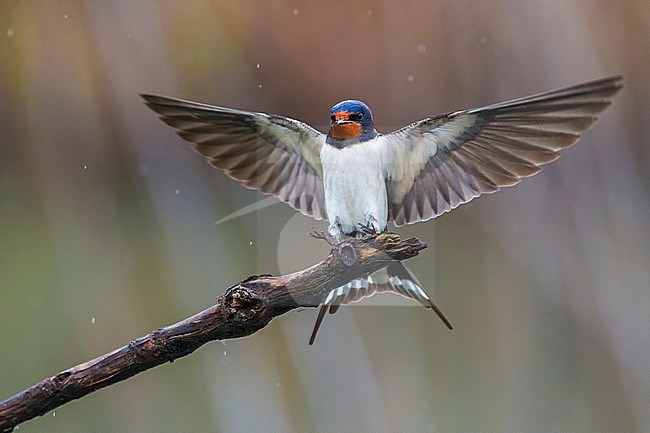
(456, 157)
(273, 154)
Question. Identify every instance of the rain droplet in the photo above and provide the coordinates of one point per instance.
(369, 12)
(411, 78)
(225, 353)
(65, 16)
(92, 320)
(178, 191)
(277, 384)
(10, 32)
(259, 87)
(85, 167)
(296, 11)
(53, 414)
(422, 48)
(257, 66)
(250, 243)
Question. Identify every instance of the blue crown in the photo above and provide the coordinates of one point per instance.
(353, 106)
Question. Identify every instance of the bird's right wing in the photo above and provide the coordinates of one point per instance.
(273, 154)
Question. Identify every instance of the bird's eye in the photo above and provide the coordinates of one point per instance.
(356, 117)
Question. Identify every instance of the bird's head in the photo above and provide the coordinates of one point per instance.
(350, 123)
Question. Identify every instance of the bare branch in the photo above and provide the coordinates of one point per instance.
(242, 310)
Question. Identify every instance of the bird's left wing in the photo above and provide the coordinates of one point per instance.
(273, 154)
(441, 162)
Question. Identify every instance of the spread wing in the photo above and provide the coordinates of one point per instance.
(273, 154)
(441, 162)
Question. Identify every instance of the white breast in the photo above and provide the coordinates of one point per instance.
(355, 186)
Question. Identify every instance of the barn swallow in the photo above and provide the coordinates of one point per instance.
(354, 176)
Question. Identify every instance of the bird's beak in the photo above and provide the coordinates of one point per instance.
(341, 119)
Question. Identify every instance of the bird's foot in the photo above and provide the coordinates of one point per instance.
(320, 234)
(368, 230)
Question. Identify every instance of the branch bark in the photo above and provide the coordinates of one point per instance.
(242, 310)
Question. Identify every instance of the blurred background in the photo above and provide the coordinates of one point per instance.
(107, 218)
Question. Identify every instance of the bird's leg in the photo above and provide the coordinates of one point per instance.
(368, 230)
(320, 234)
(371, 226)
(371, 229)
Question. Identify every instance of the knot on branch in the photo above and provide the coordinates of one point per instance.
(241, 303)
(347, 254)
(63, 376)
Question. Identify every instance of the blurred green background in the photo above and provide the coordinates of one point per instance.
(107, 219)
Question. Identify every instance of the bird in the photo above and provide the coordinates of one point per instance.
(360, 180)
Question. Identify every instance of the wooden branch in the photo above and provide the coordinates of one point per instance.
(243, 309)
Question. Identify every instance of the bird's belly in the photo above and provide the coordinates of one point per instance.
(355, 190)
